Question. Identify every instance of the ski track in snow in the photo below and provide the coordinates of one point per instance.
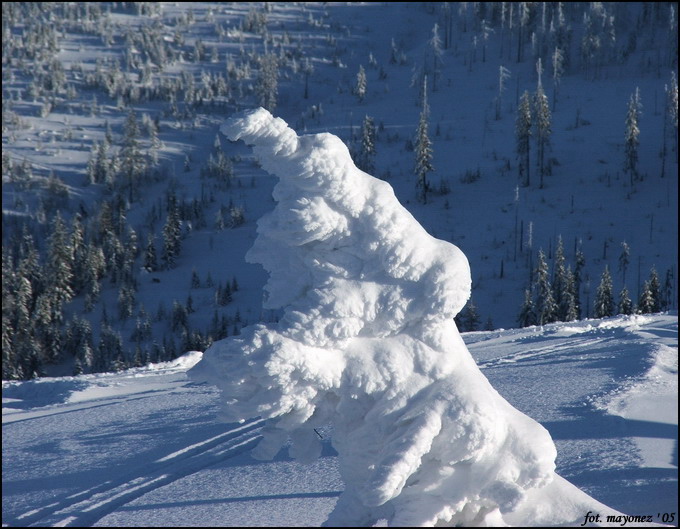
(85, 508)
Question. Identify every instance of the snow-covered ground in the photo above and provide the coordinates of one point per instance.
(144, 447)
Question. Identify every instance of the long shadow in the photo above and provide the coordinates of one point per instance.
(609, 426)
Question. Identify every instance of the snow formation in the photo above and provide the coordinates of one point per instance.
(367, 342)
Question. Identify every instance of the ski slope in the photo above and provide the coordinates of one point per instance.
(144, 447)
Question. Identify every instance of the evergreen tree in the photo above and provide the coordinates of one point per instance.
(436, 49)
(560, 282)
(625, 304)
(360, 86)
(180, 318)
(527, 314)
(523, 136)
(367, 155)
(423, 150)
(632, 135)
(150, 259)
(543, 124)
(470, 317)
(604, 297)
(646, 301)
(60, 264)
(558, 71)
(567, 307)
(172, 233)
(132, 164)
(655, 290)
(546, 309)
(267, 82)
(624, 259)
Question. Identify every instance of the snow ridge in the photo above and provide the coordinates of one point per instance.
(367, 342)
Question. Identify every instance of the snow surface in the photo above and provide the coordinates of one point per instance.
(142, 447)
(367, 342)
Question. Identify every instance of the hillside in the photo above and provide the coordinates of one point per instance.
(111, 114)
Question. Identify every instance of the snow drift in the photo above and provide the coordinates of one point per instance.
(367, 342)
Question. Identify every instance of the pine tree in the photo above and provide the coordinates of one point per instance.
(632, 135)
(546, 309)
(132, 164)
(624, 259)
(646, 301)
(150, 259)
(360, 86)
(60, 264)
(527, 314)
(543, 124)
(423, 150)
(558, 71)
(560, 283)
(267, 82)
(172, 234)
(523, 136)
(367, 154)
(604, 297)
(567, 307)
(625, 304)
(655, 290)
(436, 48)
(470, 317)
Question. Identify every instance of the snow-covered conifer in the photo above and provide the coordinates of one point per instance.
(523, 125)
(546, 309)
(267, 81)
(360, 86)
(632, 135)
(423, 150)
(543, 124)
(625, 303)
(604, 297)
(367, 155)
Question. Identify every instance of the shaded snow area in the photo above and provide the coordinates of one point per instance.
(143, 448)
(367, 343)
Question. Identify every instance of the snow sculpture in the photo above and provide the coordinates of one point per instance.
(368, 343)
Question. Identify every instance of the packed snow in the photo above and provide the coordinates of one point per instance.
(142, 447)
(367, 343)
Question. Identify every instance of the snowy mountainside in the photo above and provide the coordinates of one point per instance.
(143, 447)
(80, 79)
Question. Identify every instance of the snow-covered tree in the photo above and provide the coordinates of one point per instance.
(267, 81)
(360, 85)
(132, 162)
(632, 135)
(543, 123)
(558, 71)
(172, 233)
(523, 125)
(546, 309)
(503, 75)
(625, 303)
(604, 297)
(527, 314)
(436, 50)
(423, 150)
(366, 159)
(624, 259)
(357, 338)
(645, 303)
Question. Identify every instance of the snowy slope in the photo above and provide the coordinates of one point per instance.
(144, 447)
